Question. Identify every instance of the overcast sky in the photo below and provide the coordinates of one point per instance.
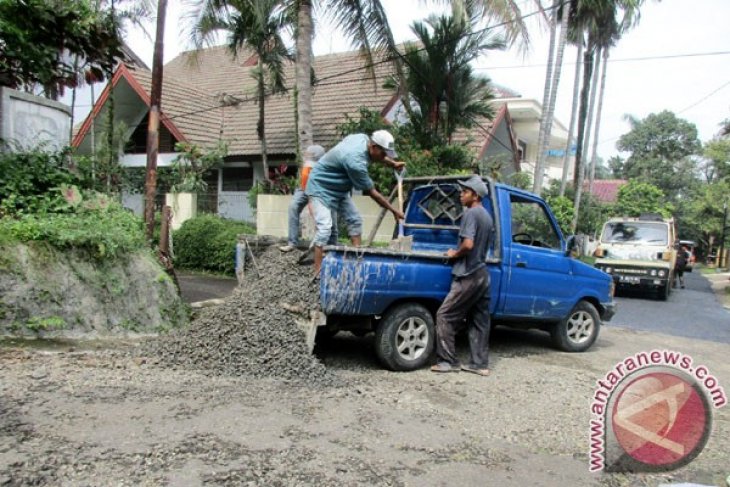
(696, 88)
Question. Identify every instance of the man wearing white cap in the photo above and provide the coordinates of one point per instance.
(339, 171)
(468, 297)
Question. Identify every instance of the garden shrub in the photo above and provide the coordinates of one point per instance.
(208, 243)
(104, 233)
(29, 181)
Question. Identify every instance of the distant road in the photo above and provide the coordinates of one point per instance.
(693, 312)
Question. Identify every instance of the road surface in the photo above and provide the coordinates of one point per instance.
(693, 312)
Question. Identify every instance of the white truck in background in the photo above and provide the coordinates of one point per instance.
(639, 253)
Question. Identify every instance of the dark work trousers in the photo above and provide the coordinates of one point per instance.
(468, 298)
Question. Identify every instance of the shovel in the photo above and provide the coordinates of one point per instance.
(402, 243)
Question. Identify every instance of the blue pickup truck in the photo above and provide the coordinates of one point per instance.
(534, 281)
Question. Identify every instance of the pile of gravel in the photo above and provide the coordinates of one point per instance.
(251, 334)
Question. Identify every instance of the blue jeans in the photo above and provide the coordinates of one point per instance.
(298, 202)
(325, 220)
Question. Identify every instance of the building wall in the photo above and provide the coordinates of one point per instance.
(28, 121)
(272, 217)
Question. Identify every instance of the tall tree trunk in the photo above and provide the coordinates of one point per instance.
(582, 115)
(73, 99)
(573, 114)
(538, 176)
(602, 89)
(260, 126)
(303, 74)
(591, 110)
(153, 134)
(557, 71)
(93, 140)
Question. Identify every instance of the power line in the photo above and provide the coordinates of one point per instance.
(704, 97)
(690, 106)
(620, 60)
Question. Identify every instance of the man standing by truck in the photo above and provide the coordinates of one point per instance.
(339, 171)
(469, 294)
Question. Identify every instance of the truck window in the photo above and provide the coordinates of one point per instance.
(532, 225)
(635, 232)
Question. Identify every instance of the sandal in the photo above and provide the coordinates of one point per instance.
(482, 372)
(444, 367)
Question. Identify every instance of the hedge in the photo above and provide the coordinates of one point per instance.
(208, 243)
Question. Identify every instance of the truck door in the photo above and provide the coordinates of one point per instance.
(538, 283)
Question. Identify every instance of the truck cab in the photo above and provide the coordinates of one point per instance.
(639, 253)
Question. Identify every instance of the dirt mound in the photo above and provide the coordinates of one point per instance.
(251, 333)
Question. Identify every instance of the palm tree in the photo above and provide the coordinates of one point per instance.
(552, 80)
(599, 20)
(602, 91)
(573, 113)
(251, 25)
(365, 23)
(439, 78)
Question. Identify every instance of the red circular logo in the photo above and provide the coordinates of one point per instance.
(661, 419)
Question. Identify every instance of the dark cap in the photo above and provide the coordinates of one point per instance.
(476, 184)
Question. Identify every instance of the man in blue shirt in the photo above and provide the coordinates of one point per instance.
(338, 172)
(469, 294)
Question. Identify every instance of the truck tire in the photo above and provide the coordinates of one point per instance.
(577, 331)
(405, 337)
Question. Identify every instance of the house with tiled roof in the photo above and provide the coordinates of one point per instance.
(208, 96)
(605, 190)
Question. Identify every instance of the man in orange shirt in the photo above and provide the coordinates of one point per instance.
(299, 200)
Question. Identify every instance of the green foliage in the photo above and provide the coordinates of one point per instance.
(660, 147)
(208, 243)
(591, 214)
(190, 166)
(717, 153)
(30, 181)
(440, 80)
(636, 197)
(38, 324)
(40, 39)
(103, 232)
(563, 209)
(522, 180)
(702, 215)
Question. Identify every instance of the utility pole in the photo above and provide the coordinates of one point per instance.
(153, 134)
(722, 262)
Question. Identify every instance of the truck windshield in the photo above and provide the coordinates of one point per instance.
(635, 232)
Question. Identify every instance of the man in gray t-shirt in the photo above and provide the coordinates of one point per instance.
(469, 293)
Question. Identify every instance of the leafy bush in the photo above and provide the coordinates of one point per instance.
(208, 243)
(29, 181)
(103, 232)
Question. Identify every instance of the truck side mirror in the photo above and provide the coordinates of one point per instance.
(570, 245)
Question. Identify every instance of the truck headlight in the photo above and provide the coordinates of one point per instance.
(662, 273)
(607, 270)
(652, 272)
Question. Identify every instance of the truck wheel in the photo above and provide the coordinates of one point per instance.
(577, 331)
(405, 338)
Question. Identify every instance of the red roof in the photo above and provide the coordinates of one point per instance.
(606, 190)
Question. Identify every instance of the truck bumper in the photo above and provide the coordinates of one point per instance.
(609, 309)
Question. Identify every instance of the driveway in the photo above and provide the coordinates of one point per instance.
(693, 312)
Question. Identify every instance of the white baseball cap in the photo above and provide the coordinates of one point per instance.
(384, 139)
